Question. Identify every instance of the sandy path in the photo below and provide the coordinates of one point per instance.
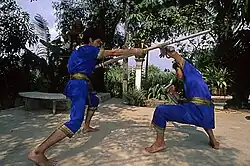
(124, 132)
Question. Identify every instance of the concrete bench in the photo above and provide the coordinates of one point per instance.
(32, 99)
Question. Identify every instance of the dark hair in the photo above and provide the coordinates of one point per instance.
(169, 48)
(93, 33)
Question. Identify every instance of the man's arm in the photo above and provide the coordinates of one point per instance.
(119, 52)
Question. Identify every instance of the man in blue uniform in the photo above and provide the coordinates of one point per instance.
(197, 110)
(80, 66)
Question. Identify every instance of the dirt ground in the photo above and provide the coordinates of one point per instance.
(124, 132)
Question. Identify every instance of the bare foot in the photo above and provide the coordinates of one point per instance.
(53, 162)
(214, 144)
(156, 148)
(39, 159)
(90, 129)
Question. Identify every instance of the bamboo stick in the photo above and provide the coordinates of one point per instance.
(112, 60)
(155, 47)
(177, 40)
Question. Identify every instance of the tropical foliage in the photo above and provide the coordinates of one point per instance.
(135, 97)
(218, 79)
(154, 87)
(113, 81)
(16, 60)
(16, 31)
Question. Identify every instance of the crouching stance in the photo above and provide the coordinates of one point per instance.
(80, 66)
(197, 110)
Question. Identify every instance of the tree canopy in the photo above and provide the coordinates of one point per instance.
(16, 31)
(129, 22)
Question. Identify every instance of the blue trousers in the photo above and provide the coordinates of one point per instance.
(187, 113)
(77, 91)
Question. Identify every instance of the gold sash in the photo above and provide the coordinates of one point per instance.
(200, 101)
(80, 76)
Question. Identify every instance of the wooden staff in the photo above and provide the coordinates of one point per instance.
(155, 47)
(177, 40)
(112, 60)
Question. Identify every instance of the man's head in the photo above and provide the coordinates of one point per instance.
(93, 36)
(178, 69)
(167, 51)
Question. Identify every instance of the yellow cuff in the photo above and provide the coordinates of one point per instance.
(158, 129)
(66, 131)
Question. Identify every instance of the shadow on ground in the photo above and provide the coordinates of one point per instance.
(120, 140)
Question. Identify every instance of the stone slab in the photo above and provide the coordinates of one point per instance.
(42, 95)
(38, 100)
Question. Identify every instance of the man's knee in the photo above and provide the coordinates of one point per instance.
(75, 124)
(170, 112)
(159, 119)
(72, 126)
(158, 110)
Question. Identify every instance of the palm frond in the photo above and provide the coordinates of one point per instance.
(42, 31)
